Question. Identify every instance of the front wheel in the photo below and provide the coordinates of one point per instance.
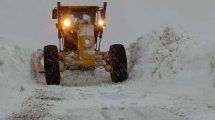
(118, 63)
(51, 65)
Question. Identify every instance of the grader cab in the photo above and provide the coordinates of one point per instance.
(80, 30)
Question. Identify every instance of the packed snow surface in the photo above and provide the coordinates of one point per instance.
(171, 78)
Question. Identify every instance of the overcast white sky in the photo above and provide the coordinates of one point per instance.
(29, 23)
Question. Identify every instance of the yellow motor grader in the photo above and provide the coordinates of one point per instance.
(80, 30)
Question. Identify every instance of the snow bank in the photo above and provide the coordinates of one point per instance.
(14, 74)
(172, 60)
(160, 52)
(178, 67)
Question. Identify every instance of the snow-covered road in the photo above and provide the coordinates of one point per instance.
(172, 72)
(171, 78)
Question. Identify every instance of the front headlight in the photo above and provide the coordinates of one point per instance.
(67, 23)
(87, 43)
(101, 23)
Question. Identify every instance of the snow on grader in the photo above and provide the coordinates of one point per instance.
(80, 30)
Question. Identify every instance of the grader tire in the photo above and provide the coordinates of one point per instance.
(51, 65)
(118, 63)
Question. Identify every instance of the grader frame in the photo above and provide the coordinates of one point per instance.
(79, 28)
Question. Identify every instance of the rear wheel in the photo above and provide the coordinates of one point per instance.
(51, 65)
(118, 63)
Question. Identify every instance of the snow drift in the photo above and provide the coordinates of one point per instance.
(15, 74)
(14, 66)
(170, 60)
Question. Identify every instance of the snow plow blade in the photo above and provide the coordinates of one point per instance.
(37, 64)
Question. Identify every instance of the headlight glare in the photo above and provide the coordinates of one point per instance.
(67, 23)
(101, 23)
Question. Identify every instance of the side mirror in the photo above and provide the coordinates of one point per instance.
(54, 13)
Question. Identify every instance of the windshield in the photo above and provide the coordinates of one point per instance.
(81, 18)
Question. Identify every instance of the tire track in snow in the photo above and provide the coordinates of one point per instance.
(104, 114)
(36, 107)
